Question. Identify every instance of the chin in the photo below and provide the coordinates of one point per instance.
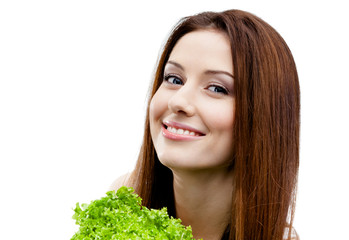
(188, 164)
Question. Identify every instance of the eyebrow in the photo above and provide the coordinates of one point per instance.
(206, 72)
(176, 64)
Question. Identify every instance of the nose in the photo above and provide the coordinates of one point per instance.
(182, 101)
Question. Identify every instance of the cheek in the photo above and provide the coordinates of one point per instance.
(221, 123)
(158, 106)
(220, 116)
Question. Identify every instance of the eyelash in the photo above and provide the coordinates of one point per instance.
(222, 90)
(167, 77)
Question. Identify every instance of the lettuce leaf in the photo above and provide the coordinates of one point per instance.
(120, 215)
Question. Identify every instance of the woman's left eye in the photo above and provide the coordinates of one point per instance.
(218, 89)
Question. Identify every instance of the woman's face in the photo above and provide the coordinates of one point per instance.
(192, 113)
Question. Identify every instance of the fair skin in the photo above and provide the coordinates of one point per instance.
(191, 121)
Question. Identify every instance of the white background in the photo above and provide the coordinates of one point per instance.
(74, 77)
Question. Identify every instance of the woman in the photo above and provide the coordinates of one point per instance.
(221, 140)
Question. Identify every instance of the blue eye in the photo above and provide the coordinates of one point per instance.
(172, 79)
(217, 89)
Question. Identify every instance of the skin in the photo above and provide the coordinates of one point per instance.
(197, 91)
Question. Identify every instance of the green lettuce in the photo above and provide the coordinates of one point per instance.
(120, 215)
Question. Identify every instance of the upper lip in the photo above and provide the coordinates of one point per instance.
(182, 126)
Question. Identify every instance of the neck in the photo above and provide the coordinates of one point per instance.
(203, 200)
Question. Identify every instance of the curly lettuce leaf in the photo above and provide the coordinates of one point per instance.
(120, 215)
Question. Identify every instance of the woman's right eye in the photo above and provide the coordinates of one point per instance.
(173, 79)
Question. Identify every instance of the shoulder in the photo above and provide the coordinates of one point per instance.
(124, 180)
(294, 234)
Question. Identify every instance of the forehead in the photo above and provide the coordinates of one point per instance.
(205, 48)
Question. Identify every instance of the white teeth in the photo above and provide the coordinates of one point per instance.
(170, 129)
(181, 131)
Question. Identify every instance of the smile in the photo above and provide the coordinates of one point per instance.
(181, 131)
(178, 131)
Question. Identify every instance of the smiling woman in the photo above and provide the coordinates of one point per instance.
(221, 141)
(196, 97)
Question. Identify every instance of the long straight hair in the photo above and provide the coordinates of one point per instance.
(266, 128)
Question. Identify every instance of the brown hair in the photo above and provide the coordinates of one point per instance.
(266, 128)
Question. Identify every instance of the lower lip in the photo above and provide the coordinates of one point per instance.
(178, 137)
